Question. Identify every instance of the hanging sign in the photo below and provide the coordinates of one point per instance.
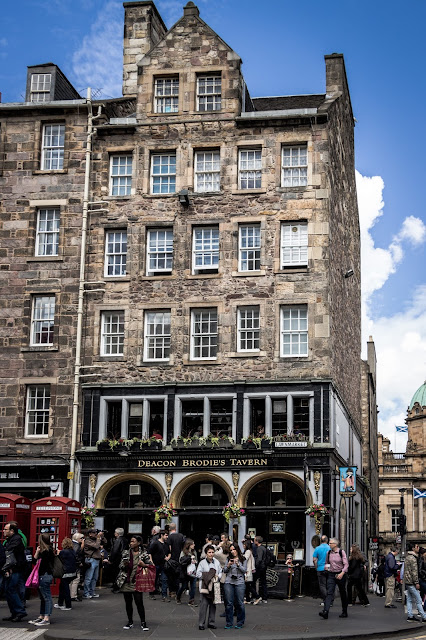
(347, 481)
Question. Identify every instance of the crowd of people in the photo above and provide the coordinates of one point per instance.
(168, 566)
(349, 575)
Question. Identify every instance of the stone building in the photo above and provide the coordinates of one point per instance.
(401, 473)
(218, 298)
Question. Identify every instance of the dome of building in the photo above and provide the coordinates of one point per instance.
(419, 396)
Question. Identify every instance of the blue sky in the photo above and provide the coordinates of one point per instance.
(282, 45)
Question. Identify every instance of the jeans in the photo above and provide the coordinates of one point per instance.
(331, 587)
(91, 577)
(234, 594)
(137, 596)
(64, 592)
(263, 589)
(187, 583)
(161, 576)
(46, 602)
(12, 593)
(414, 596)
(322, 582)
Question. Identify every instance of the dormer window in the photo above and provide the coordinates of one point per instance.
(40, 87)
(209, 93)
(166, 95)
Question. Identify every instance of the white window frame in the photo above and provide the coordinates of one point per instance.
(394, 518)
(157, 340)
(37, 410)
(249, 168)
(125, 402)
(166, 176)
(166, 95)
(42, 320)
(209, 86)
(201, 340)
(115, 253)
(269, 398)
(52, 149)
(159, 247)
(207, 171)
(112, 340)
(294, 323)
(205, 247)
(249, 247)
(294, 166)
(177, 428)
(47, 233)
(120, 174)
(246, 333)
(294, 244)
(41, 84)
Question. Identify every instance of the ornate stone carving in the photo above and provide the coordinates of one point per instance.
(236, 480)
(169, 479)
(317, 481)
(93, 478)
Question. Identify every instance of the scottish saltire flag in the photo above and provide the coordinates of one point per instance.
(402, 429)
(418, 493)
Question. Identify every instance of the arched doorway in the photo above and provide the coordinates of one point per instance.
(275, 509)
(200, 500)
(128, 501)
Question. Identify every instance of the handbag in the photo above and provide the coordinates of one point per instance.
(34, 578)
(57, 568)
(10, 561)
(145, 579)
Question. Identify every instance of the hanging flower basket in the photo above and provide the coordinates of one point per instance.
(165, 512)
(232, 512)
(88, 514)
(317, 511)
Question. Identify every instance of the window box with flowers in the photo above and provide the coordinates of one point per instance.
(232, 512)
(253, 442)
(164, 512)
(318, 512)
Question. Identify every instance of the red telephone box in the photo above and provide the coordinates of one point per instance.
(14, 507)
(59, 517)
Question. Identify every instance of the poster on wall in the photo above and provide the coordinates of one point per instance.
(347, 479)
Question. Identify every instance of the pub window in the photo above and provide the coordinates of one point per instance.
(192, 418)
(114, 410)
(221, 417)
(279, 416)
(301, 416)
(257, 416)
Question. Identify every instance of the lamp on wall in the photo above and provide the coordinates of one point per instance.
(184, 197)
(349, 273)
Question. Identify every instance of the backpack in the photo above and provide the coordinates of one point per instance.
(270, 559)
(57, 568)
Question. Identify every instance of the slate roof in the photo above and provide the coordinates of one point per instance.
(275, 103)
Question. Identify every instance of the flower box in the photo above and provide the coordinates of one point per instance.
(248, 445)
(103, 446)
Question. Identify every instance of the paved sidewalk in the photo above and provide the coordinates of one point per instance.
(104, 617)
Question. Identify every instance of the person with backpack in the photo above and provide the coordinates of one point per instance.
(319, 557)
(261, 564)
(336, 565)
(356, 575)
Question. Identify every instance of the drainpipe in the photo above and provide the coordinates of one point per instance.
(81, 283)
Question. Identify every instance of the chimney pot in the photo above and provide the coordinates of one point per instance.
(190, 9)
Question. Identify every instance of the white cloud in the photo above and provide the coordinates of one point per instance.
(98, 61)
(400, 338)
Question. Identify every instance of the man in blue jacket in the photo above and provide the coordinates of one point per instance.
(391, 570)
(319, 557)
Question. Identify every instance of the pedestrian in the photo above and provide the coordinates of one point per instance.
(13, 572)
(319, 556)
(176, 541)
(356, 570)
(45, 553)
(381, 577)
(208, 572)
(77, 545)
(251, 594)
(412, 584)
(27, 567)
(391, 569)
(92, 559)
(260, 564)
(235, 570)
(422, 574)
(209, 541)
(221, 555)
(160, 552)
(188, 566)
(119, 544)
(69, 560)
(131, 559)
(336, 565)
